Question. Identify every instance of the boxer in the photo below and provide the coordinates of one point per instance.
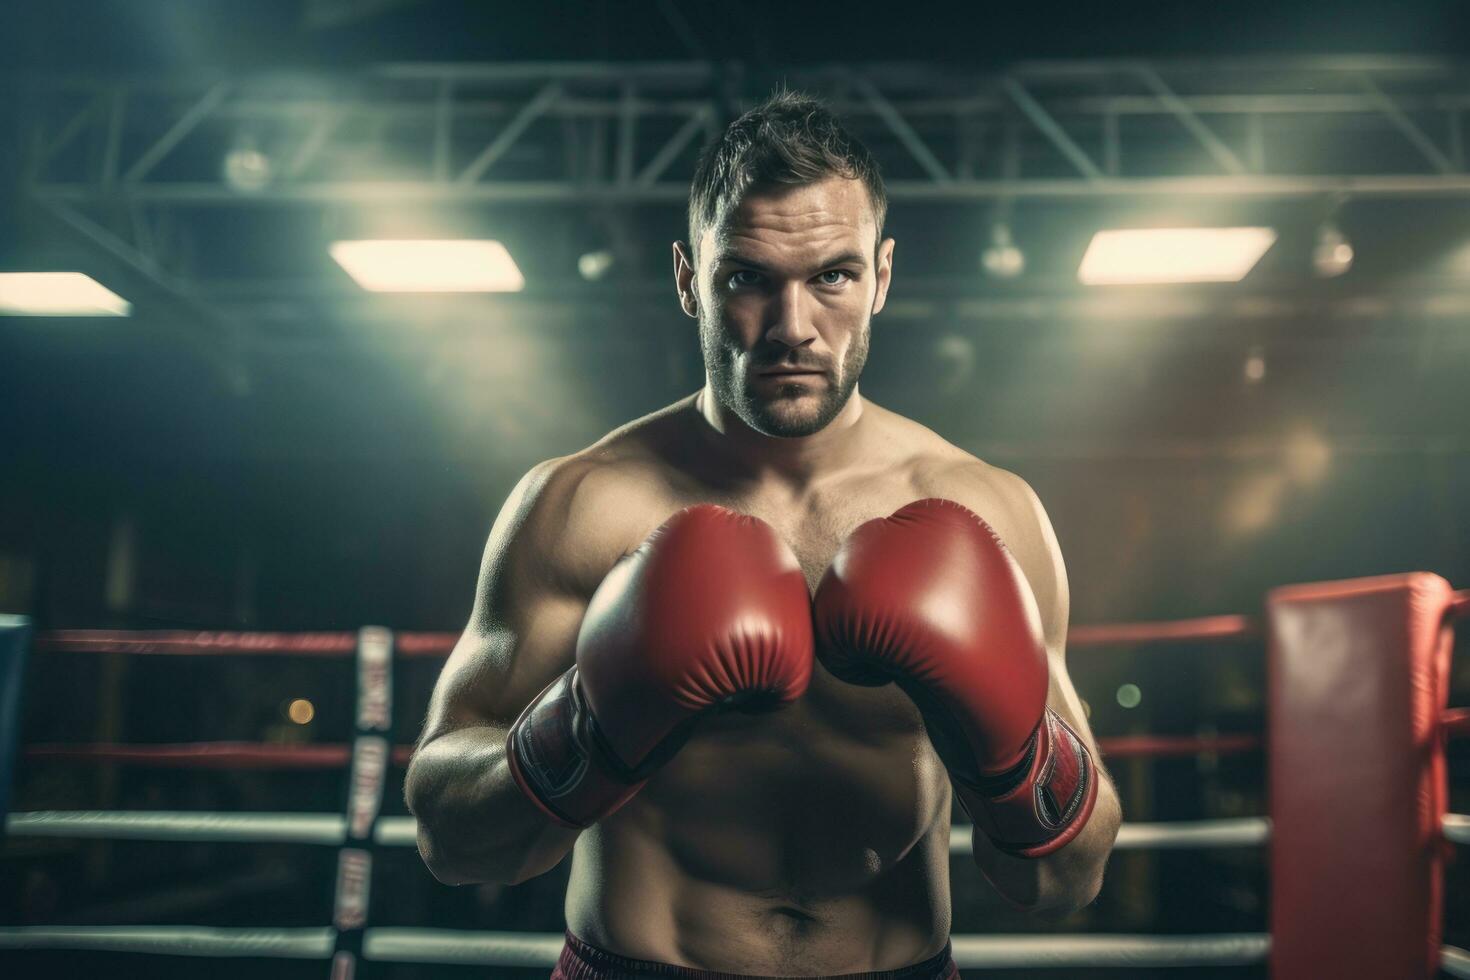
(739, 657)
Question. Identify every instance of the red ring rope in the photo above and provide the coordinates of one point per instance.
(258, 755)
(344, 644)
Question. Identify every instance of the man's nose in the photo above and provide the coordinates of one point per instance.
(789, 323)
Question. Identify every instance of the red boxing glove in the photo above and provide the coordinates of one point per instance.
(932, 599)
(711, 612)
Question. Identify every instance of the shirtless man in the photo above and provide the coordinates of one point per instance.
(729, 804)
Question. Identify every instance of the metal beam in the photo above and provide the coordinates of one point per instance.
(218, 348)
(1407, 126)
(551, 192)
(312, 145)
(176, 133)
(1216, 147)
(895, 121)
(1049, 127)
(529, 113)
(925, 114)
(49, 147)
(655, 168)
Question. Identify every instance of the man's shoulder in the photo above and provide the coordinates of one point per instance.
(937, 466)
(590, 507)
(630, 463)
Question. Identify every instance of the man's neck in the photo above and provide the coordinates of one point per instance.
(796, 462)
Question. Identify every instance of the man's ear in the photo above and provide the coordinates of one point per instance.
(684, 278)
(883, 269)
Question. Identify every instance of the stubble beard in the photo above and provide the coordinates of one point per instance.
(786, 414)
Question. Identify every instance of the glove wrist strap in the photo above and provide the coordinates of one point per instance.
(1038, 806)
(559, 761)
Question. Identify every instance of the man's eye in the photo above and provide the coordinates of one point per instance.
(834, 277)
(744, 277)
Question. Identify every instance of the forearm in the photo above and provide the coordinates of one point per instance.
(475, 824)
(1065, 880)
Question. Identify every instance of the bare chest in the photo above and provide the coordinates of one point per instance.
(757, 793)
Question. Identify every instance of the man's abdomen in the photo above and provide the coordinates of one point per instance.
(814, 839)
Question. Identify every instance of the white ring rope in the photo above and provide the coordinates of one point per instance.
(1242, 832)
(452, 946)
(522, 949)
(1454, 961)
(999, 952)
(169, 825)
(296, 944)
(529, 949)
(330, 828)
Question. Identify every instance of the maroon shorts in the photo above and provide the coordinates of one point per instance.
(579, 961)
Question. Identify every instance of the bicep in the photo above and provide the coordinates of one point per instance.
(1053, 597)
(528, 608)
(494, 673)
(1034, 543)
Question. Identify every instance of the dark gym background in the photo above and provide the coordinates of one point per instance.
(264, 446)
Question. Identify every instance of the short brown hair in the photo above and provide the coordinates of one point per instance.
(790, 138)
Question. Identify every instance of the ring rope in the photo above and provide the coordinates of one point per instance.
(1454, 722)
(164, 825)
(329, 755)
(412, 945)
(296, 944)
(1165, 631)
(428, 644)
(1454, 961)
(330, 828)
(1177, 835)
(208, 755)
(190, 643)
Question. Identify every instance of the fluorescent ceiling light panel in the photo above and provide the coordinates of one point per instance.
(58, 294)
(1154, 255)
(453, 266)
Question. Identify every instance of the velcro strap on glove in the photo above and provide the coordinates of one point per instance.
(1039, 805)
(561, 763)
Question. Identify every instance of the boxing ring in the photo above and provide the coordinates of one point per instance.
(1358, 829)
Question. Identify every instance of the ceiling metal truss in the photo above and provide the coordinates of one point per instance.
(630, 133)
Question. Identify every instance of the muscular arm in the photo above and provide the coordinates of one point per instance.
(474, 823)
(1071, 877)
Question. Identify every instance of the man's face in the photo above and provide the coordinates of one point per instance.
(785, 291)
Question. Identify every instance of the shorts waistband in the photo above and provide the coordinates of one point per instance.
(583, 961)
